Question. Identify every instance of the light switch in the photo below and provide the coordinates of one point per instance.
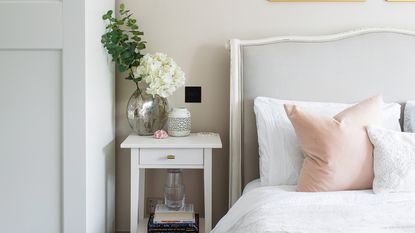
(193, 94)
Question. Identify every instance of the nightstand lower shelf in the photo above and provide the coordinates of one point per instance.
(142, 226)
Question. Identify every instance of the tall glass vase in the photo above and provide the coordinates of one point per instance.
(146, 114)
(174, 191)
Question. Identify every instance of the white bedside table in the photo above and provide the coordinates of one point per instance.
(192, 152)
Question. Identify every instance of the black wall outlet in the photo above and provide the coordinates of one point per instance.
(193, 94)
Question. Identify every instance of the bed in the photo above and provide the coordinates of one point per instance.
(343, 67)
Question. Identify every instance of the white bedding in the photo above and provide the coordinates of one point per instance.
(252, 185)
(281, 209)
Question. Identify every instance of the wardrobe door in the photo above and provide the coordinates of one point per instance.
(34, 117)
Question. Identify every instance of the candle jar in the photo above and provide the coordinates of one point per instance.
(179, 122)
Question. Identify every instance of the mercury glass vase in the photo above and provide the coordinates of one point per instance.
(146, 114)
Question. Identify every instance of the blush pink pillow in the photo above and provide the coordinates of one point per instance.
(338, 153)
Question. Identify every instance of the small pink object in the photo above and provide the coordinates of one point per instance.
(160, 134)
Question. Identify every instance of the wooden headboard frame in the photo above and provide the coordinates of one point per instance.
(355, 53)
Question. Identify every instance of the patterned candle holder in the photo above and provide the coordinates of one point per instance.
(179, 122)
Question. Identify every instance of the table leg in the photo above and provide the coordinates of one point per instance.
(208, 189)
(134, 192)
(141, 195)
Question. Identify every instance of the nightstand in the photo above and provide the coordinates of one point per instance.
(191, 152)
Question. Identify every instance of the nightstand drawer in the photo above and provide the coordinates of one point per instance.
(171, 156)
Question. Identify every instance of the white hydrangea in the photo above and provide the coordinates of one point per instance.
(162, 75)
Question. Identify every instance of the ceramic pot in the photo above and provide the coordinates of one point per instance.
(179, 122)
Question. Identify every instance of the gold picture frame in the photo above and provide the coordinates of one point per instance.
(400, 0)
(327, 0)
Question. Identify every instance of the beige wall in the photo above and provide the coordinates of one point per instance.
(194, 33)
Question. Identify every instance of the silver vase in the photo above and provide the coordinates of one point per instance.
(146, 114)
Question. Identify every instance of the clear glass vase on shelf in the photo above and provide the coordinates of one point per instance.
(174, 190)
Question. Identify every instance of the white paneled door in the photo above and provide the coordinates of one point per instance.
(42, 168)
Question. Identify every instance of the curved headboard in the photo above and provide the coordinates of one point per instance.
(344, 67)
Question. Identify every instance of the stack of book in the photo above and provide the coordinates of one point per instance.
(165, 220)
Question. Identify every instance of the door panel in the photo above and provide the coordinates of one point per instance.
(31, 25)
(31, 121)
(31, 151)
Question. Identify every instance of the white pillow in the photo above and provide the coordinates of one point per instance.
(394, 160)
(280, 154)
(409, 117)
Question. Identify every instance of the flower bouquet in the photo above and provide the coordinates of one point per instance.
(156, 76)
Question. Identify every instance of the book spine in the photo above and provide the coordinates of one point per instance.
(173, 227)
(173, 222)
(173, 231)
(180, 229)
(192, 225)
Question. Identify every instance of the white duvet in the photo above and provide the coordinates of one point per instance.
(281, 209)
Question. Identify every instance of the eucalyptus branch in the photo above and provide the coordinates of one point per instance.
(123, 41)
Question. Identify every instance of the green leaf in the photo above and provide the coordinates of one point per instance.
(136, 63)
(123, 41)
(121, 67)
(124, 37)
(126, 54)
(138, 79)
(139, 56)
(141, 46)
(127, 17)
(108, 15)
(136, 38)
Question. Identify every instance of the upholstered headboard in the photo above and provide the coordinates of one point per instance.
(344, 67)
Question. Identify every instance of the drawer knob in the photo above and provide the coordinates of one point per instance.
(171, 157)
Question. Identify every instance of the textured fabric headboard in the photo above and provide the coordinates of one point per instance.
(344, 67)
